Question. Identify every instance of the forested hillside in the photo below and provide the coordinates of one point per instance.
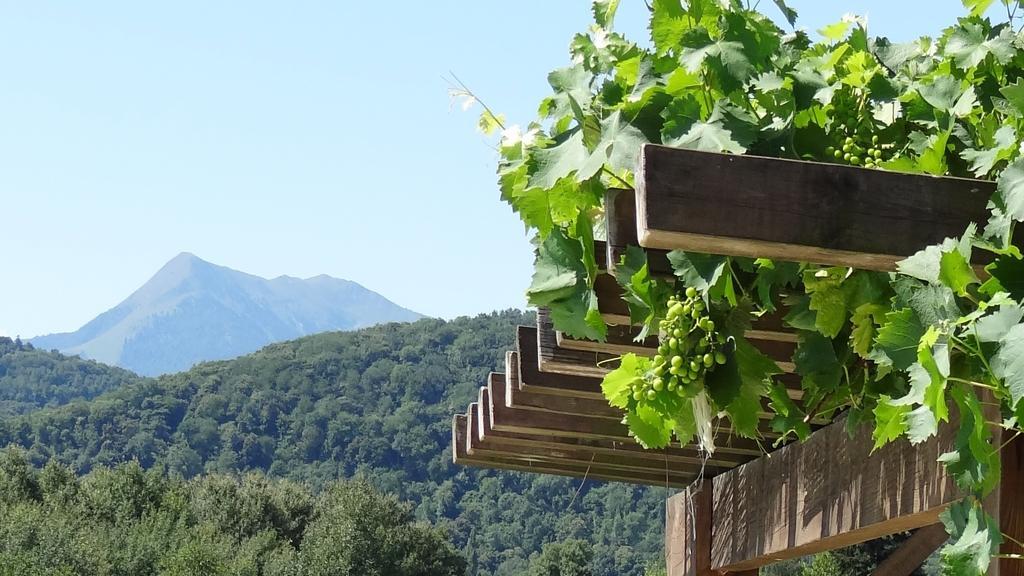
(132, 522)
(32, 378)
(374, 403)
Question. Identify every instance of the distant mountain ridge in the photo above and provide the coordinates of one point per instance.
(192, 311)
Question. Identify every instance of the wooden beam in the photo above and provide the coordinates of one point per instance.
(828, 492)
(1011, 505)
(688, 531)
(462, 457)
(912, 553)
(533, 380)
(555, 359)
(798, 211)
(620, 229)
(514, 396)
(553, 425)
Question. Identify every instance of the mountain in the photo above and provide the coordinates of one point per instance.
(374, 403)
(193, 311)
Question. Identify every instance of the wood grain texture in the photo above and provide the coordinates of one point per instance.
(517, 397)
(828, 492)
(913, 552)
(533, 380)
(688, 531)
(555, 359)
(484, 459)
(1011, 505)
(620, 227)
(799, 211)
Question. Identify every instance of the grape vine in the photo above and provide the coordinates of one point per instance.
(892, 351)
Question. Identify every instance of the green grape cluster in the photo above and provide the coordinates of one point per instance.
(856, 142)
(689, 347)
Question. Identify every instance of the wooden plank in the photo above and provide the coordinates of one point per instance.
(688, 526)
(558, 360)
(551, 424)
(516, 397)
(531, 379)
(828, 492)
(620, 228)
(1011, 505)
(911, 554)
(482, 457)
(676, 473)
(800, 211)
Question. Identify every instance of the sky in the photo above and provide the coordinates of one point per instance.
(297, 138)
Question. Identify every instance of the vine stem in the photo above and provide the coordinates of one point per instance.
(616, 176)
(1004, 445)
(973, 383)
(1012, 539)
(463, 87)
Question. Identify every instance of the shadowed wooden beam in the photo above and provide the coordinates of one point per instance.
(515, 396)
(620, 228)
(798, 211)
(828, 492)
(1011, 505)
(485, 458)
(913, 552)
(485, 441)
(688, 526)
(549, 424)
(553, 358)
(531, 378)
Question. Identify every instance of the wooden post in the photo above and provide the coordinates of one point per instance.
(1011, 506)
(688, 531)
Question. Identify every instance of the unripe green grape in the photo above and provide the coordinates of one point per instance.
(710, 325)
(838, 154)
(878, 154)
(847, 156)
(709, 360)
(651, 395)
(691, 292)
(681, 392)
(638, 395)
(677, 333)
(672, 385)
(694, 366)
(677, 361)
(658, 359)
(720, 357)
(658, 386)
(659, 371)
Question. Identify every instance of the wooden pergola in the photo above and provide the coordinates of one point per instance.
(744, 507)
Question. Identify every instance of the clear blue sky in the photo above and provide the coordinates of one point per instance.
(297, 138)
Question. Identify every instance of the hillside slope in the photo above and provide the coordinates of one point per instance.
(192, 311)
(376, 403)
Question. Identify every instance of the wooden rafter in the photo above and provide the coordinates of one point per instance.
(805, 212)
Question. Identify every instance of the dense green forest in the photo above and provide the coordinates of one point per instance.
(375, 404)
(127, 521)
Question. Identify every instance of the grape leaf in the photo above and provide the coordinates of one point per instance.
(926, 263)
(977, 7)
(866, 319)
(1010, 188)
(558, 269)
(1008, 363)
(604, 12)
(836, 31)
(994, 326)
(983, 160)
(709, 137)
(974, 458)
(700, 271)
(788, 12)
(968, 45)
(956, 272)
(616, 384)
(559, 161)
(619, 147)
(921, 424)
(1007, 275)
(1014, 94)
(933, 356)
(651, 429)
(738, 385)
(899, 337)
(728, 54)
(828, 300)
(788, 416)
(975, 538)
(890, 421)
